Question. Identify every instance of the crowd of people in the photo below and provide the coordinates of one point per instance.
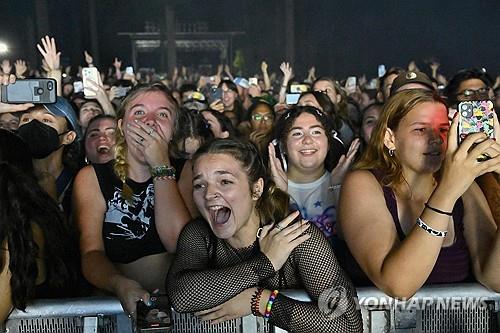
(222, 191)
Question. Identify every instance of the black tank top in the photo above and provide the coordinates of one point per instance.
(129, 230)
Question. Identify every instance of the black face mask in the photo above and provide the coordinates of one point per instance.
(42, 139)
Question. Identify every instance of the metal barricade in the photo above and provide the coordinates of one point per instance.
(452, 308)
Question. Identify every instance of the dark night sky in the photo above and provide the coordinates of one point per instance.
(338, 37)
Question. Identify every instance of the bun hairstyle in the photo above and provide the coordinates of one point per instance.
(273, 204)
(120, 165)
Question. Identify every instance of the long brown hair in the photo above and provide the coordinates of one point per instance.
(120, 164)
(376, 156)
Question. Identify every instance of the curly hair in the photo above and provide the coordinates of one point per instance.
(120, 164)
(376, 156)
(273, 204)
(23, 204)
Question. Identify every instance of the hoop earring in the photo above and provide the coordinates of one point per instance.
(391, 152)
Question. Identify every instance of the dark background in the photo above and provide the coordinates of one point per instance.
(339, 37)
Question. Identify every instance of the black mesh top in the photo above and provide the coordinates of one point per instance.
(207, 272)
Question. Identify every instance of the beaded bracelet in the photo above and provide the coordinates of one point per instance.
(254, 305)
(433, 232)
(163, 172)
(439, 211)
(269, 305)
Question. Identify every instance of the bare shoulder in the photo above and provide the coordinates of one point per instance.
(360, 184)
(85, 177)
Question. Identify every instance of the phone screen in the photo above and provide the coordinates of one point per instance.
(292, 99)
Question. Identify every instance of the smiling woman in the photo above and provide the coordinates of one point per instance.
(247, 247)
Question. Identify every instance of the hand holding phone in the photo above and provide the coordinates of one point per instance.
(154, 317)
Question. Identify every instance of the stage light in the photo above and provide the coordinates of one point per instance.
(3, 48)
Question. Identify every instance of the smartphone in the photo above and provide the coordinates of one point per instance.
(292, 99)
(215, 94)
(474, 117)
(381, 70)
(129, 70)
(37, 91)
(155, 317)
(278, 148)
(89, 73)
(298, 88)
(77, 87)
(253, 80)
(350, 84)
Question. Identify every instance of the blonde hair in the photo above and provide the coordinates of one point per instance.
(376, 156)
(120, 165)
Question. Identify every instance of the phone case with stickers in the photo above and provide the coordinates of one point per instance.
(474, 117)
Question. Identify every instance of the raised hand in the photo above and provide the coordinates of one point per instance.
(6, 66)
(263, 66)
(287, 71)
(49, 52)
(88, 58)
(279, 175)
(21, 67)
(278, 240)
(344, 164)
(460, 166)
(217, 105)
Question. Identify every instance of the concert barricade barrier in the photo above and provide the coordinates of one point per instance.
(451, 308)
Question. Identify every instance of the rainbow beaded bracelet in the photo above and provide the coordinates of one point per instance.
(269, 305)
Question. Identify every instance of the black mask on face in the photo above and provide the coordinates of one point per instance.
(42, 139)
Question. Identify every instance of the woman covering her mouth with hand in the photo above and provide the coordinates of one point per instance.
(130, 211)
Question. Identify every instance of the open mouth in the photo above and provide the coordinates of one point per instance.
(219, 214)
(103, 149)
(307, 151)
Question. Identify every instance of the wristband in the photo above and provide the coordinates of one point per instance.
(269, 305)
(439, 211)
(429, 230)
(163, 172)
(254, 305)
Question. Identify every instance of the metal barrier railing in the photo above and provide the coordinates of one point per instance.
(439, 308)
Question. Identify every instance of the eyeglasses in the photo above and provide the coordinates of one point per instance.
(260, 117)
(474, 92)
